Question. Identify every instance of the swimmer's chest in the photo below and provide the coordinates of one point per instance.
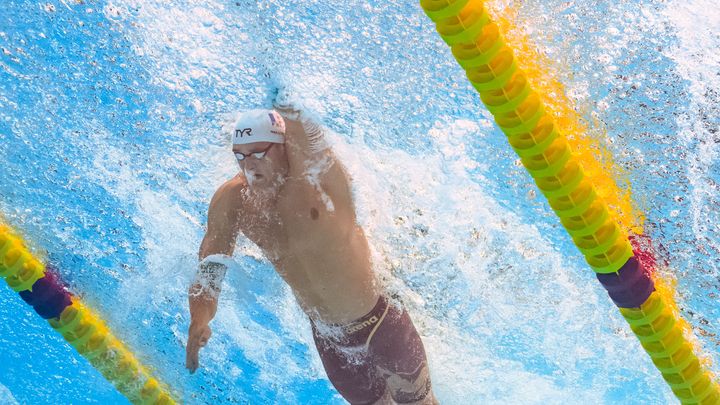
(262, 227)
(311, 215)
(303, 218)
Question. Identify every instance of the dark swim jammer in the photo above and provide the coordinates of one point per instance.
(357, 357)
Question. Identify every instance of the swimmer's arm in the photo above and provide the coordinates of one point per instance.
(219, 242)
(305, 143)
(310, 155)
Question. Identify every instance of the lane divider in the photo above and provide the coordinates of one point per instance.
(479, 47)
(80, 326)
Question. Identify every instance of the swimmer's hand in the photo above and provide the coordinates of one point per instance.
(203, 306)
(198, 336)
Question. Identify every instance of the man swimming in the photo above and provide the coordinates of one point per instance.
(293, 199)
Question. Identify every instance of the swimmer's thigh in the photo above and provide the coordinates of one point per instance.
(399, 355)
(354, 377)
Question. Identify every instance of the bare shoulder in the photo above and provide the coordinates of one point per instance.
(230, 196)
(223, 218)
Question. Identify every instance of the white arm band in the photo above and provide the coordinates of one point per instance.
(211, 273)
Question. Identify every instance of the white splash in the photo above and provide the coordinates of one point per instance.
(6, 397)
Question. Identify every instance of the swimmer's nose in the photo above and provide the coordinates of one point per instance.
(253, 164)
(250, 163)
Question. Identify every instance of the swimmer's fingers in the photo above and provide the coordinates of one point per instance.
(197, 337)
(191, 357)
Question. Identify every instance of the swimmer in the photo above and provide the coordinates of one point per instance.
(292, 198)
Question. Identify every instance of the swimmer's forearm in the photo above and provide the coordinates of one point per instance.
(203, 304)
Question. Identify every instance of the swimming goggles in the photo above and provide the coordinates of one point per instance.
(257, 155)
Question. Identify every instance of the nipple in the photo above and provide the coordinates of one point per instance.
(314, 214)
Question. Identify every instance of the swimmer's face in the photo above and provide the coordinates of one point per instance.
(263, 163)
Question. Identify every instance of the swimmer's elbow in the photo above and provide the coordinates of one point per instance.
(204, 250)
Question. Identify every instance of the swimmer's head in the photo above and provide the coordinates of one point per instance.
(258, 126)
(258, 138)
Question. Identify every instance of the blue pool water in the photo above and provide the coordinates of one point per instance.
(110, 147)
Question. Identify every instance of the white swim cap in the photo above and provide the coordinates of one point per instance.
(259, 126)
